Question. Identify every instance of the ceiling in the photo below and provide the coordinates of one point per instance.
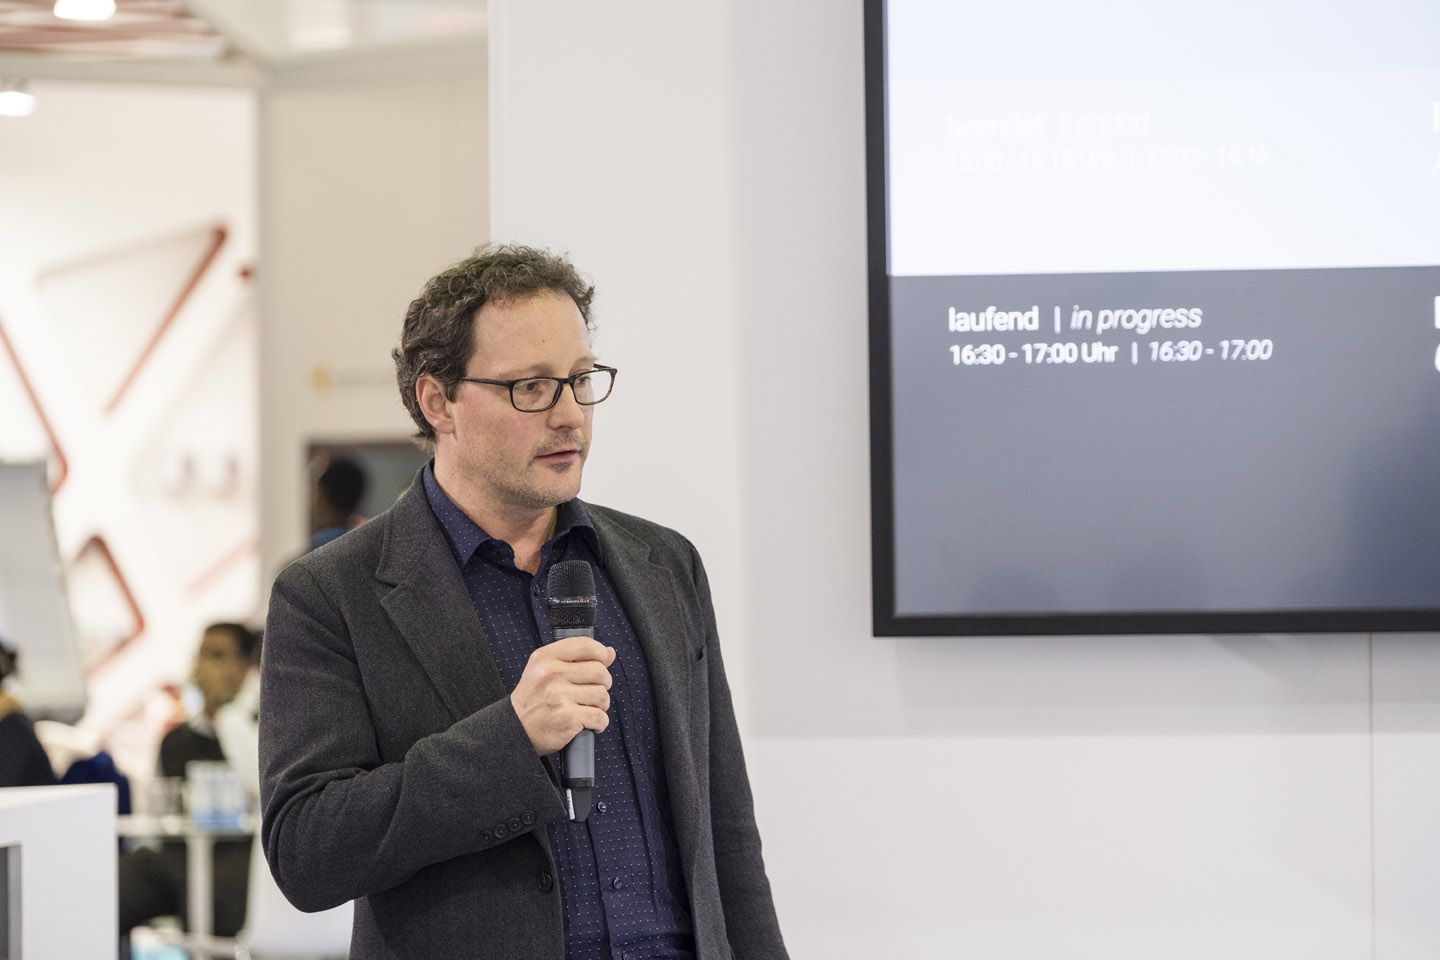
(162, 29)
(222, 41)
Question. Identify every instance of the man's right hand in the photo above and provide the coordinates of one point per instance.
(565, 688)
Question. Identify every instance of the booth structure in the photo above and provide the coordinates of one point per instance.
(57, 863)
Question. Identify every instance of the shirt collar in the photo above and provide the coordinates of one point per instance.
(466, 536)
(201, 724)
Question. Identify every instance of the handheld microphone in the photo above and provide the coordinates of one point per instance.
(570, 596)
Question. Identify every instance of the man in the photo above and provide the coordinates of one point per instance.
(152, 882)
(410, 708)
(337, 495)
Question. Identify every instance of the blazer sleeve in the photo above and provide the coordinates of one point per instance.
(340, 821)
(750, 922)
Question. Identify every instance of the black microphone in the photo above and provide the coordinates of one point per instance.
(570, 596)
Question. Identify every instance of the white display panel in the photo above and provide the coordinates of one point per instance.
(34, 612)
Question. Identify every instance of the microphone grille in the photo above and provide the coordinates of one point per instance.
(570, 593)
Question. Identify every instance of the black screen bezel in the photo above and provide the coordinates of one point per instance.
(886, 621)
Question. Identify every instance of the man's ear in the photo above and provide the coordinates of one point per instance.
(434, 404)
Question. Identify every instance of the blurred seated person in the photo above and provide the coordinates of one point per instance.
(152, 882)
(336, 497)
(23, 761)
(237, 727)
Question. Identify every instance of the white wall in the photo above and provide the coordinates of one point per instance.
(1111, 797)
(373, 177)
(110, 200)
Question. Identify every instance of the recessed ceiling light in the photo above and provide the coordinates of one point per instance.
(84, 9)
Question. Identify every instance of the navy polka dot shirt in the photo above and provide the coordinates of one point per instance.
(619, 872)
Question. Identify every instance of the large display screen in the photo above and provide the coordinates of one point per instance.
(1155, 316)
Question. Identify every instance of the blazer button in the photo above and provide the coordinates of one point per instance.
(500, 832)
(487, 837)
(547, 882)
(514, 824)
(528, 819)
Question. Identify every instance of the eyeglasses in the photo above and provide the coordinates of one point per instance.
(538, 394)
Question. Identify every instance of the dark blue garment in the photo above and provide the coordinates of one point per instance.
(101, 769)
(321, 537)
(619, 872)
(23, 762)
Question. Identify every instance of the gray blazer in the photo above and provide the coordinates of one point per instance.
(394, 771)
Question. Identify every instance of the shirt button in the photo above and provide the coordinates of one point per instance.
(617, 884)
(600, 806)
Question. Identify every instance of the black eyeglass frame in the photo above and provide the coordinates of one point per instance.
(559, 382)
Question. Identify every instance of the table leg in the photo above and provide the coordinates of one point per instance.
(200, 885)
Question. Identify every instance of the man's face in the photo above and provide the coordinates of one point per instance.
(220, 668)
(512, 460)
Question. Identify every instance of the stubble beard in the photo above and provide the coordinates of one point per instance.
(529, 490)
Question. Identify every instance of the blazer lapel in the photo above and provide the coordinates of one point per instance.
(432, 610)
(648, 592)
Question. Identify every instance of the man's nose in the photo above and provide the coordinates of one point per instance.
(567, 411)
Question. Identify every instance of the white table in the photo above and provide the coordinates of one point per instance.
(199, 857)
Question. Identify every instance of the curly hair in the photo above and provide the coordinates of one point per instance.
(437, 336)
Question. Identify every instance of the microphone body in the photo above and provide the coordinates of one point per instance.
(570, 596)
